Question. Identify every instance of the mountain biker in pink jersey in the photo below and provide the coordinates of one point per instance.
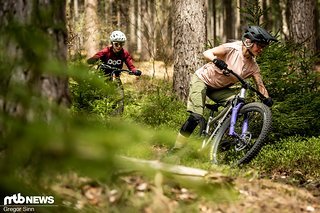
(210, 81)
(115, 55)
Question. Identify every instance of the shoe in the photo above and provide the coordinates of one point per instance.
(181, 141)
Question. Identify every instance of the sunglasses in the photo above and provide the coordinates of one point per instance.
(118, 44)
(261, 45)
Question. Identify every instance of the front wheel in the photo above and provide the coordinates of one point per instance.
(252, 128)
(117, 98)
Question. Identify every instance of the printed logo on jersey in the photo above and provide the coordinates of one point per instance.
(114, 62)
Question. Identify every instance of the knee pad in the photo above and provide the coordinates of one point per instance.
(192, 122)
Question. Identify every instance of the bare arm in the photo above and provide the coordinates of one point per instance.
(216, 52)
(259, 84)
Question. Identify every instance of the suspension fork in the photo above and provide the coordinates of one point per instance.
(235, 110)
(234, 114)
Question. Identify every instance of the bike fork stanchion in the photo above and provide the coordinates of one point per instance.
(245, 124)
(234, 115)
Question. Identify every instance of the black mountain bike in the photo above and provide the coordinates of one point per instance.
(113, 77)
(236, 133)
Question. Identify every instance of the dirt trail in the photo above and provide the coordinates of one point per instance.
(158, 70)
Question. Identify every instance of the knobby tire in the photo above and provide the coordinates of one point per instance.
(224, 147)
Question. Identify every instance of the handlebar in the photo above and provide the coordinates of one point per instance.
(115, 69)
(245, 84)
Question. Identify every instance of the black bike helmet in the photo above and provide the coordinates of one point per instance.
(258, 34)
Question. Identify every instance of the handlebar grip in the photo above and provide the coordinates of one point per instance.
(220, 64)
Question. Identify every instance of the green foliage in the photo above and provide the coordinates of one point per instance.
(293, 84)
(288, 68)
(158, 106)
(252, 12)
(291, 154)
(90, 92)
(297, 115)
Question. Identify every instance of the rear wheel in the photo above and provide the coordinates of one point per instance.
(242, 148)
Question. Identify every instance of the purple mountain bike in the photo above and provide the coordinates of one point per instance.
(237, 133)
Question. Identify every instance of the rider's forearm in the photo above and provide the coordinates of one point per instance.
(92, 60)
(263, 91)
(260, 85)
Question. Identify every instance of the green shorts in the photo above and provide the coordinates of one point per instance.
(199, 91)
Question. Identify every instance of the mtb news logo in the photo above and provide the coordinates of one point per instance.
(20, 203)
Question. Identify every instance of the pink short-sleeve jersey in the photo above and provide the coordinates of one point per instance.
(214, 77)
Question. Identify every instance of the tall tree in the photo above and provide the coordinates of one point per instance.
(284, 18)
(147, 22)
(132, 35)
(33, 35)
(302, 24)
(189, 42)
(211, 21)
(228, 24)
(91, 26)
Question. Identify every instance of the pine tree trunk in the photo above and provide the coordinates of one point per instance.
(189, 42)
(27, 60)
(132, 40)
(228, 24)
(91, 26)
(302, 23)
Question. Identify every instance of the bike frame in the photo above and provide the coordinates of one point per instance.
(219, 119)
(233, 107)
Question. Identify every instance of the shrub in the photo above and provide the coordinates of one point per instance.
(291, 81)
(90, 92)
(291, 154)
(297, 115)
(158, 107)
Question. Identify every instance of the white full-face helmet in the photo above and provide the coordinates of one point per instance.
(118, 36)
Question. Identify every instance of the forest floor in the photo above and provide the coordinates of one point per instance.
(136, 192)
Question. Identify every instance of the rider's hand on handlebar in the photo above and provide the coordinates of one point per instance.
(220, 64)
(268, 102)
(137, 72)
